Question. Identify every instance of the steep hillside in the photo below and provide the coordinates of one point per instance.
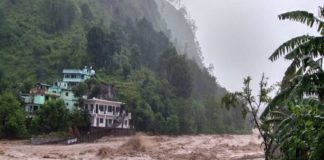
(180, 30)
(131, 44)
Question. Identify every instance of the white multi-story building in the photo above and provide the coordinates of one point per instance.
(107, 114)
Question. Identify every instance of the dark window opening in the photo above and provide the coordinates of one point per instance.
(109, 108)
(91, 106)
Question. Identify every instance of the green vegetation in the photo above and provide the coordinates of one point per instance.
(300, 133)
(129, 46)
(12, 117)
(52, 117)
(292, 123)
(55, 117)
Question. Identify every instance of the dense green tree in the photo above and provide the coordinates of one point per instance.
(175, 69)
(151, 44)
(80, 119)
(53, 116)
(96, 46)
(5, 36)
(186, 116)
(143, 118)
(12, 117)
(172, 125)
(61, 15)
(102, 46)
(159, 124)
(135, 57)
(86, 12)
(3, 82)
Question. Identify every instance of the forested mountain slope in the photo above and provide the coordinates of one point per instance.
(133, 44)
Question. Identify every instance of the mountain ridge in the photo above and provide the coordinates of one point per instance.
(130, 44)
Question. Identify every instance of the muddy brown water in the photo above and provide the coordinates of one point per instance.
(143, 147)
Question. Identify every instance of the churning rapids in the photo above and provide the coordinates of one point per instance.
(143, 147)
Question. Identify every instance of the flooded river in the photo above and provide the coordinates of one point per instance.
(143, 147)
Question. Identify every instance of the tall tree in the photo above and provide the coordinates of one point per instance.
(12, 117)
(102, 46)
(254, 104)
(175, 69)
(52, 117)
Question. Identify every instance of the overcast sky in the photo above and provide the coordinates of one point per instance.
(238, 36)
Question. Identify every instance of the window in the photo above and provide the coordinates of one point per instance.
(66, 94)
(110, 121)
(125, 122)
(101, 108)
(72, 84)
(91, 106)
(109, 108)
(67, 104)
(101, 120)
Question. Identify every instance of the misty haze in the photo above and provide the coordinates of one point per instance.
(161, 79)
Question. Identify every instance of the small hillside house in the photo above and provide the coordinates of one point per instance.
(73, 77)
(59, 90)
(37, 97)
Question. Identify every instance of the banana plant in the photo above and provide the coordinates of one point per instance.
(296, 112)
